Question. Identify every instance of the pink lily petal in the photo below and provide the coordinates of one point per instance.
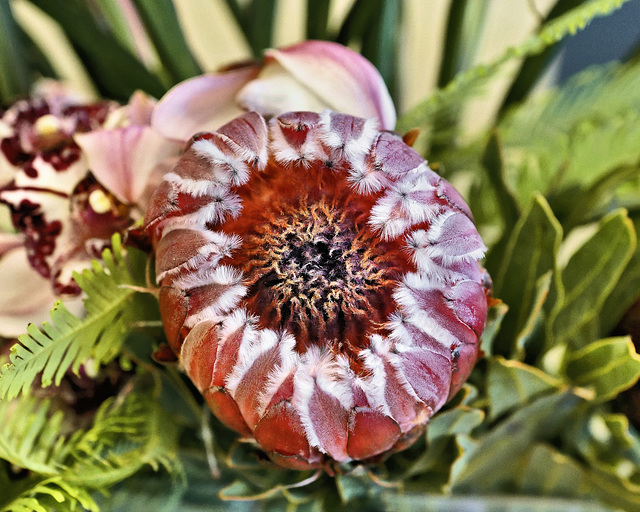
(202, 103)
(26, 296)
(123, 159)
(341, 78)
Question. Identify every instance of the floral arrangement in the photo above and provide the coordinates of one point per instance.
(260, 288)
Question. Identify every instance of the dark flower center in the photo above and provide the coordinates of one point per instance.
(313, 273)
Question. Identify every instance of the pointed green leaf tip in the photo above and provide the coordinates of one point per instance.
(588, 279)
(530, 254)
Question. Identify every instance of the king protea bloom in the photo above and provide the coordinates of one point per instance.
(319, 283)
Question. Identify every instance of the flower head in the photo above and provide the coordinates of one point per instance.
(319, 282)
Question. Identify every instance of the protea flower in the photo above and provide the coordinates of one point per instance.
(319, 283)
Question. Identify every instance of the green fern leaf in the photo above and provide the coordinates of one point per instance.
(128, 433)
(67, 342)
(53, 494)
(468, 83)
(30, 435)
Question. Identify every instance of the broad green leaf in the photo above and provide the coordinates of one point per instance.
(14, 72)
(581, 206)
(373, 25)
(492, 461)
(161, 21)
(547, 472)
(608, 366)
(530, 253)
(418, 502)
(589, 277)
(512, 384)
(116, 72)
(317, 19)
(503, 207)
(350, 487)
(530, 336)
(67, 342)
(460, 420)
(257, 21)
(625, 293)
(607, 441)
(622, 494)
(113, 13)
(465, 23)
(495, 315)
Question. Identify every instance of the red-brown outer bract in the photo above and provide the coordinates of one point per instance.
(319, 283)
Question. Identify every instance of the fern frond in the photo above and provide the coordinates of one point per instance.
(30, 435)
(67, 341)
(466, 83)
(53, 494)
(128, 433)
(574, 135)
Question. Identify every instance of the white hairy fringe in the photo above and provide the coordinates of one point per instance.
(374, 385)
(384, 349)
(365, 180)
(259, 160)
(223, 276)
(195, 188)
(225, 168)
(231, 323)
(249, 352)
(221, 245)
(289, 361)
(319, 368)
(310, 151)
(386, 220)
(397, 324)
(353, 150)
(404, 296)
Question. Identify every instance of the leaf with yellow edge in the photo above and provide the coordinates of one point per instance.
(608, 366)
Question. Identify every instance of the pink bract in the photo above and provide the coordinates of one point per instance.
(319, 283)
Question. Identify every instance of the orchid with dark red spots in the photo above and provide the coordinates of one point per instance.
(74, 173)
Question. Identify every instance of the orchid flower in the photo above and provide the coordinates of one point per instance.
(72, 174)
(312, 75)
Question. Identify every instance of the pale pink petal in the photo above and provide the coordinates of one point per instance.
(343, 79)
(202, 103)
(47, 178)
(26, 296)
(9, 241)
(122, 160)
(140, 108)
